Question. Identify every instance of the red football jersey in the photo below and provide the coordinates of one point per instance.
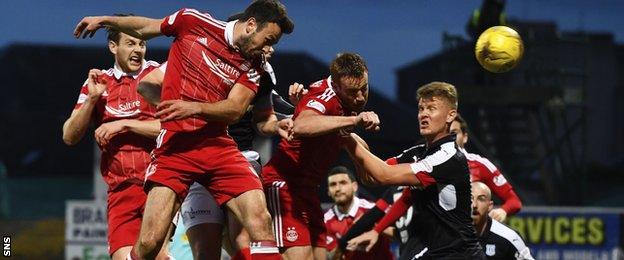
(305, 161)
(203, 65)
(482, 170)
(338, 224)
(127, 155)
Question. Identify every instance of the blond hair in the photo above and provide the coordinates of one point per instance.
(438, 89)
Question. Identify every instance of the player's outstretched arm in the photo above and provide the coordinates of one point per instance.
(384, 174)
(137, 26)
(309, 123)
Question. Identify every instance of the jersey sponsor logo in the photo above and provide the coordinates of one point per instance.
(499, 180)
(490, 249)
(121, 112)
(316, 105)
(223, 70)
(291, 234)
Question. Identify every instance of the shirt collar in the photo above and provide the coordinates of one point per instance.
(352, 210)
(229, 33)
(118, 73)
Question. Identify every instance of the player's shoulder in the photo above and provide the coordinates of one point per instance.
(507, 234)
(329, 215)
(478, 160)
(202, 16)
(151, 63)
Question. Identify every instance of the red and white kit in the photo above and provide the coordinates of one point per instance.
(338, 224)
(292, 176)
(125, 159)
(203, 66)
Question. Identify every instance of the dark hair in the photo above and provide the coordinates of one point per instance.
(113, 34)
(269, 11)
(341, 170)
(462, 123)
(347, 64)
(234, 17)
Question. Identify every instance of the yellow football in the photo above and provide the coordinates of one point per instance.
(499, 49)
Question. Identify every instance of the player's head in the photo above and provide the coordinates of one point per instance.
(460, 128)
(264, 23)
(341, 185)
(349, 75)
(128, 51)
(267, 51)
(481, 197)
(437, 108)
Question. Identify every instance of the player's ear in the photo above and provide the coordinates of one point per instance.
(490, 206)
(355, 186)
(450, 117)
(112, 46)
(251, 25)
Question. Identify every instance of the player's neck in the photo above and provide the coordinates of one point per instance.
(239, 28)
(344, 208)
(430, 139)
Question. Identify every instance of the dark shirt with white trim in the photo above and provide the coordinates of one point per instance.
(502, 242)
(443, 222)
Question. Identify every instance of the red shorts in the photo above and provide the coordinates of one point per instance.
(125, 211)
(297, 216)
(181, 158)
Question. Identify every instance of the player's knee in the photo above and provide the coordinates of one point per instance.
(259, 221)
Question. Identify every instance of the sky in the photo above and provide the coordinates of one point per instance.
(388, 34)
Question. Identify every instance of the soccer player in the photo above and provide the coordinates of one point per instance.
(126, 130)
(211, 78)
(482, 170)
(401, 212)
(440, 178)
(498, 240)
(348, 208)
(291, 178)
(200, 214)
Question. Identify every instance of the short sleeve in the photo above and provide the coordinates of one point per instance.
(82, 97)
(323, 103)
(250, 79)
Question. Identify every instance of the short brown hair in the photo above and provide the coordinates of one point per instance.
(268, 11)
(347, 64)
(438, 89)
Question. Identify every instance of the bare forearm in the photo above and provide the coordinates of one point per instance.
(226, 111)
(137, 26)
(147, 128)
(78, 123)
(268, 127)
(315, 125)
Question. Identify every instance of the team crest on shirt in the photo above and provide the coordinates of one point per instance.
(291, 234)
(490, 249)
